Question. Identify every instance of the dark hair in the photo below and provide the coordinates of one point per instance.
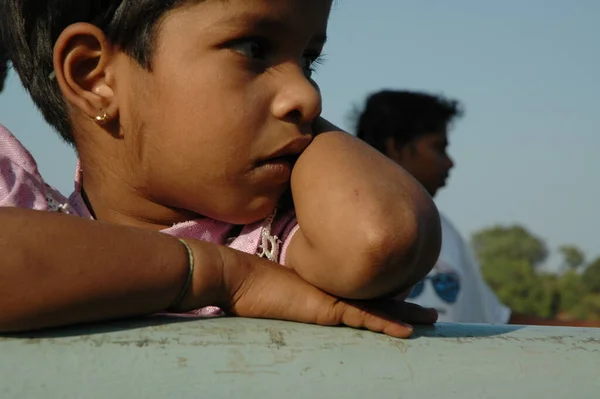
(3, 65)
(404, 115)
(30, 29)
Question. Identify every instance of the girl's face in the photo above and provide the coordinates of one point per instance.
(215, 126)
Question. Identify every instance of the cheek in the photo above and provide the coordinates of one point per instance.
(179, 120)
(200, 134)
(190, 147)
(218, 120)
(435, 160)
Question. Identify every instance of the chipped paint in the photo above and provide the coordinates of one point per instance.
(156, 358)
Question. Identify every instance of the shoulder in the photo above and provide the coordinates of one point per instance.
(21, 185)
(450, 234)
(453, 251)
(11, 150)
(447, 226)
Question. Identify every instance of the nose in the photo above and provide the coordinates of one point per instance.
(298, 99)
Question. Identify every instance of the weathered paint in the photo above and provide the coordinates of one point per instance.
(242, 358)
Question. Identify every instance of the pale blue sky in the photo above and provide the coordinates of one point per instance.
(527, 71)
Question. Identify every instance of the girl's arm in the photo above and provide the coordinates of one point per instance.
(367, 228)
(58, 270)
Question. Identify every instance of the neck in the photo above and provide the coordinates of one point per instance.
(112, 199)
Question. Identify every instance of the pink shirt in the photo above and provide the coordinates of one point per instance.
(21, 185)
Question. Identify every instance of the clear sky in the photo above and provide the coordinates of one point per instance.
(526, 70)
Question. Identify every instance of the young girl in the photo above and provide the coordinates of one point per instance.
(196, 119)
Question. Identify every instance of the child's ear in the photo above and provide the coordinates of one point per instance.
(82, 67)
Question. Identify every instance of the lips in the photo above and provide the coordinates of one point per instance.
(290, 151)
(277, 170)
(444, 180)
(287, 159)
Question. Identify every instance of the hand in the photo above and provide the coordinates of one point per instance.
(261, 289)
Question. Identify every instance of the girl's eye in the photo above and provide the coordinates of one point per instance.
(255, 49)
(311, 62)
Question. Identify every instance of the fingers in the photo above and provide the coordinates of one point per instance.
(331, 311)
(285, 296)
(392, 318)
(407, 312)
(273, 292)
(373, 320)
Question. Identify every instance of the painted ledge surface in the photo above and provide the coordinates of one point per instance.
(243, 358)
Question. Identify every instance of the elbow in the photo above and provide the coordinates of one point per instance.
(16, 318)
(11, 325)
(392, 252)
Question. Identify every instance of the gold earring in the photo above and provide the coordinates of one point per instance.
(101, 119)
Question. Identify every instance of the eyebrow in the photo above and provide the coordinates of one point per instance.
(267, 24)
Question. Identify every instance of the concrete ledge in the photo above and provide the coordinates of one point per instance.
(242, 358)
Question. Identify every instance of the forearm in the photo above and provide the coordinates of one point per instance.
(367, 227)
(58, 270)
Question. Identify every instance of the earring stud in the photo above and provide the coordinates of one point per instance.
(101, 119)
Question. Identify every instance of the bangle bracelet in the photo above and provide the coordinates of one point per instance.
(188, 280)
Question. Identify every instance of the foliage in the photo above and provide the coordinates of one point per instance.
(571, 289)
(573, 256)
(591, 276)
(509, 243)
(518, 286)
(511, 258)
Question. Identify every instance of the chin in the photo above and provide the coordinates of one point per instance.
(431, 191)
(253, 212)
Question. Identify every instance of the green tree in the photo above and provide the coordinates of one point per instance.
(580, 293)
(506, 243)
(573, 257)
(509, 256)
(519, 287)
(591, 276)
(590, 308)
(571, 289)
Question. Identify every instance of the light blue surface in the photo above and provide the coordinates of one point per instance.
(242, 358)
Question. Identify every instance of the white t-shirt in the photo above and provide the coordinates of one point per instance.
(455, 286)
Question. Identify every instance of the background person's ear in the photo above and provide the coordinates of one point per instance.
(394, 151)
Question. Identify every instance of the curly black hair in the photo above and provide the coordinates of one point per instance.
(404, 115)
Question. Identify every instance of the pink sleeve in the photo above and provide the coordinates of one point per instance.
(285, 227)
(21, 185)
